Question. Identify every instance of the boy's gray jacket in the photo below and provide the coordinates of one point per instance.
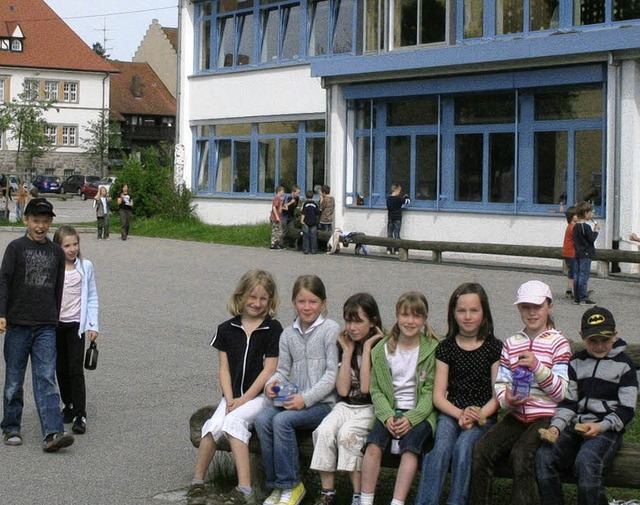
(601, 391)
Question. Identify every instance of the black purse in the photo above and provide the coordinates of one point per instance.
(91, 357)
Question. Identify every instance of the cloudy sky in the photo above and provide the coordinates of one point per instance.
(122, 22)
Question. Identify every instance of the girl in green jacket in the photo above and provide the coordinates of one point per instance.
(403, 369)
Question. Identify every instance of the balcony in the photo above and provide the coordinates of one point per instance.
(148, 132)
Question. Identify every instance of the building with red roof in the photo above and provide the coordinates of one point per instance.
(159, 48)
(142, 104)
(40, 51)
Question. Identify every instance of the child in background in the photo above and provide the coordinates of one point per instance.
(540, 354)
(78, 319)
(327, 212)
(395, 202)
(466, 368)
(248, 352)
(338, 441)
(276, 219)
(587, 429)
(584, 238)
(569, 251)
(309, 215)
(101, 205)
(402, 392)
(309, 358)
(289, 206)
(31, 284)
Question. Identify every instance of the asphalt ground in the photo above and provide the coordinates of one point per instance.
(160, 301)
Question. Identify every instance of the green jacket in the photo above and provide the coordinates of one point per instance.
(382, 384)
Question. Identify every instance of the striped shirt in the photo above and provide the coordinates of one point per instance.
(553, 352)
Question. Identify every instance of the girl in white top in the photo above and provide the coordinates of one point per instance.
(78, 319)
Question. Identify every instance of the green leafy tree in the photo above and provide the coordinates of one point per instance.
(100, 50)
(23, 119)
(104, 138)
(149, 175)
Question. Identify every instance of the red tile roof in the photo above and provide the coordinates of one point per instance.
(154, 99)
(172, 35)
(48, 40)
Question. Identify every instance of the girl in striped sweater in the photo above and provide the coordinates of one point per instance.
(542, 353)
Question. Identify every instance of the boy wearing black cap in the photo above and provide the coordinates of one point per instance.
(586, 431)
(31, 282)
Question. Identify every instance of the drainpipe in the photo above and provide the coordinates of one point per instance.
(617, 106)
(178, 174)
(104, 116)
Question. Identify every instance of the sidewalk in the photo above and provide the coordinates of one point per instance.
(160, 303)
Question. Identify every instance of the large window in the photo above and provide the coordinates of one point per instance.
(235, 33)
(515, 151)
(257, 157)
(401, 23)
(3, 90)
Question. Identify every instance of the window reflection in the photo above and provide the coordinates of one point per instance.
(509, 16)
(501, 167)
(468, 171)
(426, 167)
(588, 155)
(399, 162)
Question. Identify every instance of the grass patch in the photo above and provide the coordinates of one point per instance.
(194, 230)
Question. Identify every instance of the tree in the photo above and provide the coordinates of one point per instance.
(100, 50)
(104, 137)
(23, 118)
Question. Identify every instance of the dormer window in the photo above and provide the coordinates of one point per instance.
(16, 45)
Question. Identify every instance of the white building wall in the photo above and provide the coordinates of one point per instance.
(93, 95)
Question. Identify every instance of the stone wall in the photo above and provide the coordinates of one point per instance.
(79, 162)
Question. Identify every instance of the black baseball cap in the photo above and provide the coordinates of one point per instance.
(598, 321)
(39, 206)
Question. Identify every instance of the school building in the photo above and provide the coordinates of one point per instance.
(493, 115)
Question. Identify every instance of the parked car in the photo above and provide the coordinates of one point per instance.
(90, 190)
(47, 184)
(77, 182)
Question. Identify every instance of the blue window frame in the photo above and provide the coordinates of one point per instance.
(231, 34)
(255, 158)
(507, 151)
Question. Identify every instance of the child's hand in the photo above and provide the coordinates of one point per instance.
(373, 339)
(294, 402)
(234, 403)
(346, 343)
(398, 426)
(549, 435)
(588, 430)
(3, 324)
(528, 359)
(268, 390)
(514, 401)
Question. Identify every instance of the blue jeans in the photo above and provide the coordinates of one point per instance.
(581, 278)
(309, 239)
(588, 457)
(393, 231)
(276, 429)
(453, 446)
(39, 342)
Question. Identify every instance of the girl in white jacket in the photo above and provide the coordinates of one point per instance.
(78, 319)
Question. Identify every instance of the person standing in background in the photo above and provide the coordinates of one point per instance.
(125, 204)
(395, 202)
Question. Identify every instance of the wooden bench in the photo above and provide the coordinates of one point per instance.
(623, 472)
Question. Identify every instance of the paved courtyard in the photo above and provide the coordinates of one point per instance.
(160, 302)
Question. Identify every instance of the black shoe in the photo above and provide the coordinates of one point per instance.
(587, 302)
(67, 414)
(79, 425)
(56, 441)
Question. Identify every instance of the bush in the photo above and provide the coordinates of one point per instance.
(149, 176)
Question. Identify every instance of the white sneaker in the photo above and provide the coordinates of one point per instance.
(273, 498)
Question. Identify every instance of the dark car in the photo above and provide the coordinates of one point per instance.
(77, 183)
(47, 184)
